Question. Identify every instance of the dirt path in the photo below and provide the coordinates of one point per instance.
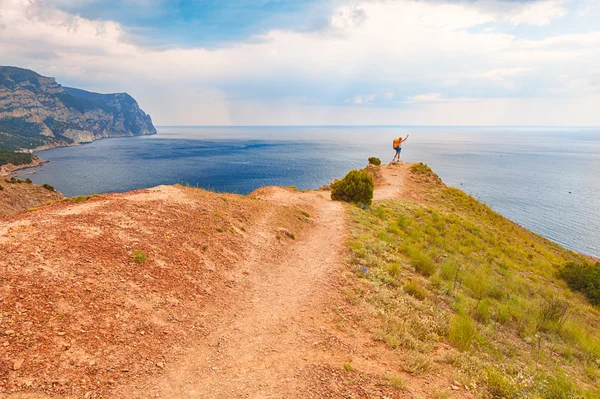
(392, 182)
(258, 346)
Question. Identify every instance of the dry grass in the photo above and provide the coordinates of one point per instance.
(454, 271)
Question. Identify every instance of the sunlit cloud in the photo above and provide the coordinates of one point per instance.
(448, 58)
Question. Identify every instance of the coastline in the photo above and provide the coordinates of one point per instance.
(9, 169)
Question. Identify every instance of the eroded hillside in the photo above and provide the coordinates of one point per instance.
(176, 292)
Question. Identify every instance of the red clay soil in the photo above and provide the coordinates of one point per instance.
(239, 297)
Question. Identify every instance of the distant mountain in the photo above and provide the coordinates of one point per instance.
(35, 112)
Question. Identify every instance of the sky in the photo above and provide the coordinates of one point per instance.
(318, 62)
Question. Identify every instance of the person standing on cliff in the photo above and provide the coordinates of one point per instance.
(398, 147)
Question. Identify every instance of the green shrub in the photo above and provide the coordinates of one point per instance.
(482, 312)
(356, 187)
(462, 332)
(585, 278)
(552, 315)
(28, 181)
(48, 187)
(421, 168)
(423, 263)
(80, 199)
(140, 256)
(560, 387)
(1, 187)
(374, 161)
(499, 385)
(413, 288)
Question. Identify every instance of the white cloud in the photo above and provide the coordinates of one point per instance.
(425, 98)
(538, 13)
(504, 73)
(361, 99)
(372, 52)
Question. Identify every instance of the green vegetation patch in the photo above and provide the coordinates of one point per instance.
(583, 277)
(455, 271)
(356, 187)
(140, 256)
(374, 161)
(15, 158)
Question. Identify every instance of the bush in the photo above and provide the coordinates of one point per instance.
(48, 187)
(140, 256)
(462, 332)
(422, 263)
(1, 187)
(584, 278)
(356, 187)
(374, 161)
(28, 181)
(552, 315)
(413, 288)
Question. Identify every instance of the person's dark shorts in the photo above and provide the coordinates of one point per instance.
(398, 150)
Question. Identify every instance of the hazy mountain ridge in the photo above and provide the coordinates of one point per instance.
(36, 111)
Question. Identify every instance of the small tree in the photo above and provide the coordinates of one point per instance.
(356, 187)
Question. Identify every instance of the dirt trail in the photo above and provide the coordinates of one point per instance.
(275, 335)
(392, 181)
(257, 346)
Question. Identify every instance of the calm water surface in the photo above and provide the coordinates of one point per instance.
(546, 179)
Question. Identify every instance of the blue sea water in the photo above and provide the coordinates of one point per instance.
(546, 179)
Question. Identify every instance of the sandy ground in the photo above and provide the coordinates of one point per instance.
(275, 332)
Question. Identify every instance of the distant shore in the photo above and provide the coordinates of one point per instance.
(9, 169)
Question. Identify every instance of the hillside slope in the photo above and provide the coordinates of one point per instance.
(175, 292)
(16, 197)
(37, 112)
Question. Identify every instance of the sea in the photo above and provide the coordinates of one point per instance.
(545, 179)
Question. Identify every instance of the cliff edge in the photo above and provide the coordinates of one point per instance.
(37, 112)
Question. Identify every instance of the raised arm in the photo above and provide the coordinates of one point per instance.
(405, 138)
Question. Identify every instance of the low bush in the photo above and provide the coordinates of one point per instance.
(423, 263)
(584, 278)
(1, 187)
(140, 256)
(356, 187)
(413, 288)
(552, 315)
(374, 161)
(462, 332)
(28, 181)
(48, 187)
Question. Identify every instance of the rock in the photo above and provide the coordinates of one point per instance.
(18, 364)
(160, 365)
(455, 388)
(60, 334)
(9, 332)
(54, 115)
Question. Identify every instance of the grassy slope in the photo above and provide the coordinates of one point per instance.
(447, 269)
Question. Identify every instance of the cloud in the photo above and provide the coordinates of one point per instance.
(501, 74)
(538, 13)
(425, 98)
(389, 55)
(361, 99)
